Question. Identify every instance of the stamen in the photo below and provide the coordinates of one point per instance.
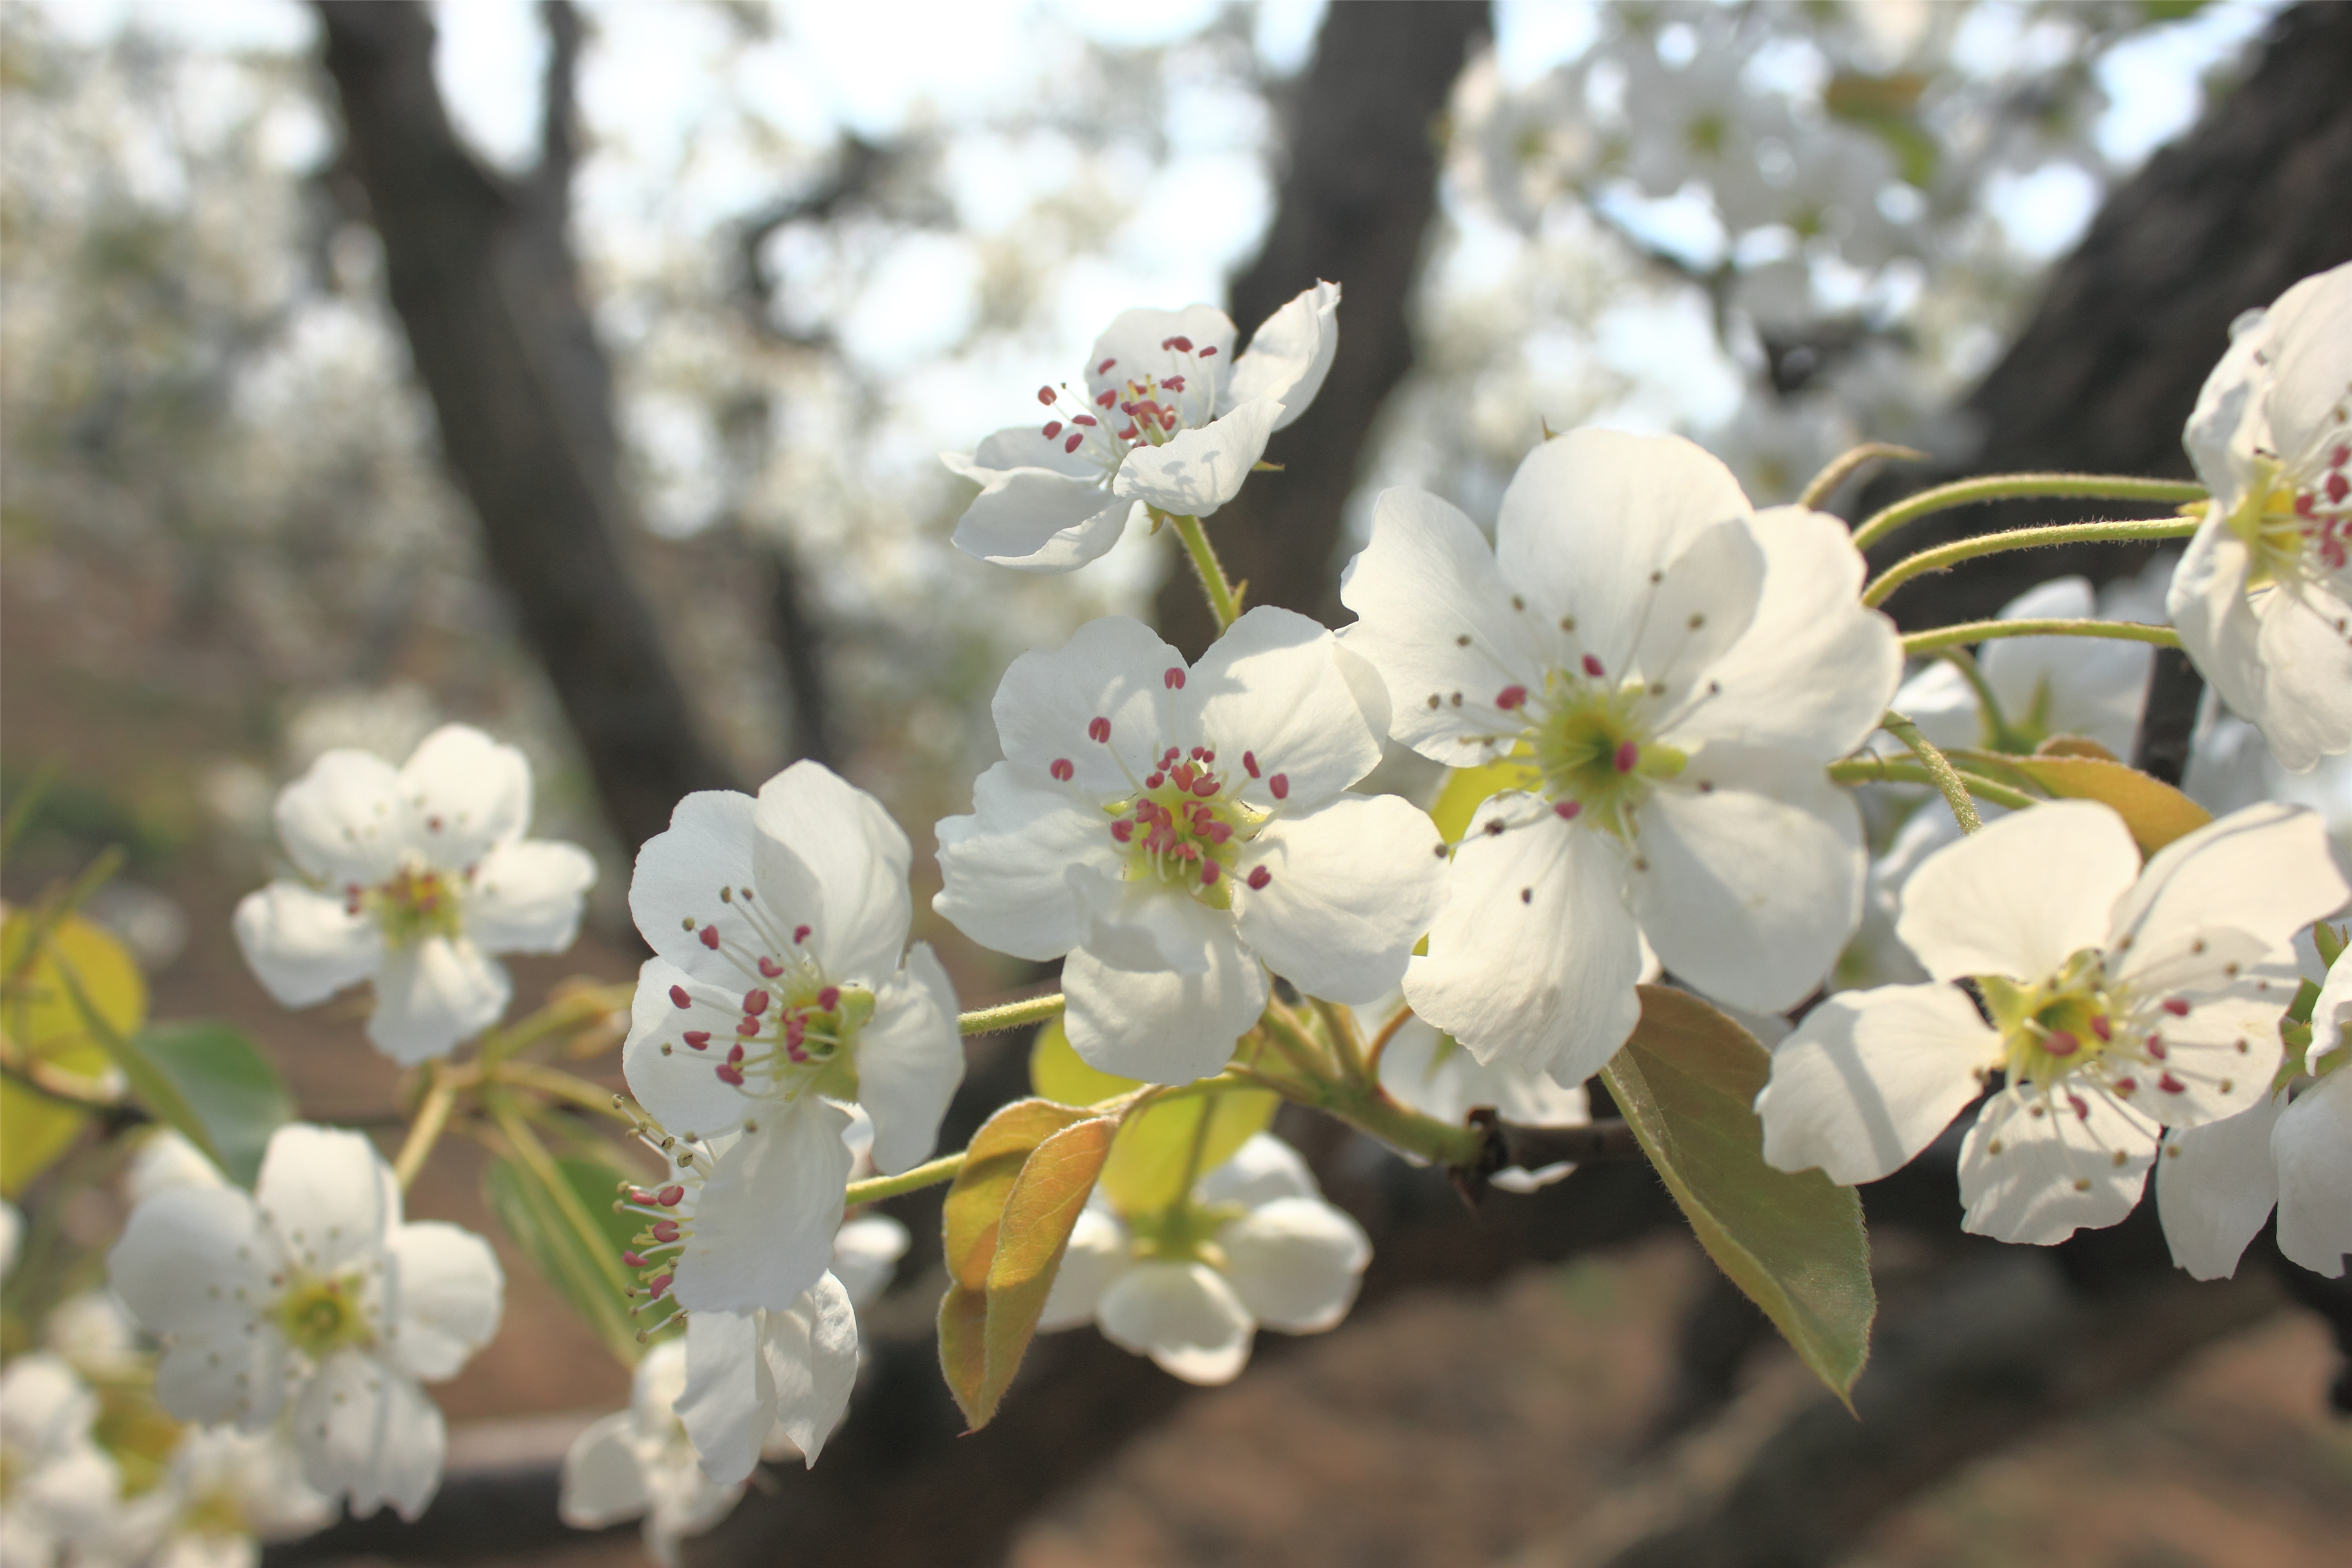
(709, 935)
(1592, 665)
(1063, 769)
(800, 935)
(1249, 763)
(1173, 679)
(1053, 428)
(2177, 1005)
(755, 1003)
(678, 995)
(1628, 756)
(697, 1040)
(1510, 696)
(1567, 810)
(1278, 786)
(1098, 729)
(1104, 368)
(1046, 395)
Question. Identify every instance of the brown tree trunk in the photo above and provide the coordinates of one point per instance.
(481, 274)
(1352, 207)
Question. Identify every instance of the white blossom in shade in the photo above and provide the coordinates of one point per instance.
(1177, 830)
(2123, 1000)
(312, 1298)
(413, 879)
(12, 1236)
(97, 1336)
(640, 1462)
(780, 991)
(1256, 1247)
(2091, 687)
(866, 1255)
(223, 1494)
(1430, 1072)
(57, 1486)
(166, 1159)
(2217, 1184)
(2263, 596)
(1675, 671)
(1164, 417)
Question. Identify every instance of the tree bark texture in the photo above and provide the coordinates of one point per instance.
(481, 274)
(1352, 207)
(2104, 374)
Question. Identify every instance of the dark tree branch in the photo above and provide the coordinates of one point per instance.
(2105, 374)
(2168, 718)
(1353, 207)
(482, 277)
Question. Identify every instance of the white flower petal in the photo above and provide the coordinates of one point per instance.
(763, 1228)
(2066, 686)
(1426, 583)
(1591, 520)
(1162, 1028)
(866, 1253)
(430, 997)
(1814, 669)
(1295, 1263)
(345, 822)
(1274, 686)
(811, 1351)
(1007, 866)
(443, 1296)
(1096, 1252)
(603, 1481)
(1748, 890)
(680, 1085)
(1198, 470)
(368, 1432)
(327, 1196)
(1114, 668)
(2267, 870)
(1533, 957)
(1351, 887)
(2220, 1056)
(1147, 925)
(1699, 606)
(2307, 657)
(2311, 376)
(1184, 1316)
(2021, 896)
(729, 1404)
(711, 845)
(909, 1061)
(304, 946)
(1262, 1169)
(526, 896)
(1021, 446)
(1130, 348)
(467, 793)
(2035, 1173)
(2218, 627)
(1870, 1078)
(860, 857)
(1034, 519)
(1435, 1076)
(2313, 1146)
(2215, 1187)
(1289, 354)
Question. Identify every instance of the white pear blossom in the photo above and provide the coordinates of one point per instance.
(640, 1461)
(412, 879)
(1166, 418)
(1675, 671)
(777, 993)
(223, 1494)
(2217, 1184)
(166, 1159)
(1256, 1247)
(2090, 686)
(2121, 1001)
(1430, 1072)
(2263, 596)
(96, 1335)
(57, 1486)
(1174, 830)
(313, 1297)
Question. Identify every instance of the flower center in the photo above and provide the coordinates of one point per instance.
(797, 1034)
(2078, 1026)
(1147, 410)
(413, 903)
(2297, 529)
(1590, 738)
(216, 1515)
(1185, 828)
(1183, 1231)
(320, 1317)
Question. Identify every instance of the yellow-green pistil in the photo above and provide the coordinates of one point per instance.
(1186, 829)
(412, 904)
(2288, 528)
(320, 1317)
(2076, 1021)
(1588, 738)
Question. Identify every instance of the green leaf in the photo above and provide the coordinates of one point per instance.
(1687, 1083)
(2156, 813)
(984, 1333)
(150, 1085)
(586, 1271)
(974, 1206)
(1155, 1144)
(229, 1084)
(33, 1131)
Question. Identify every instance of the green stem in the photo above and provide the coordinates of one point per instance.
(1995, 722)
(2004, 486)
(1964, 632)
(1888, 770)
(1939, 769)
(1009, 1014)
(1842, 467)
(541, 1165)
(567, 1015)
(432, 1120)
(557, 1084)
(1371, 1109)
(1948, 556)
(1224, 602)
(929, 1173)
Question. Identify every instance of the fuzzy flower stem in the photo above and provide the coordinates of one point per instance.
(1009, 1014)
(1225, 599)
(1888, 770)
(574, 1013)
(533, 1156)
(1841, 467)
(1939, 769)
(432, 1120)
(2003, 487)
(1945, 556)
(1942, 637)
(557, 1084)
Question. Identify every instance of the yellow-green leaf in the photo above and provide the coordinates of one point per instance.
(2156, 813)
(229, 1084)
(963, 1344)
(1465, 787)
(585, 1270)
(1057, 1072)
(992, 1161)
(1687, 1083)
(1148, 1162)
(33, 1131)
(1039, 1214)
(47, 1033)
